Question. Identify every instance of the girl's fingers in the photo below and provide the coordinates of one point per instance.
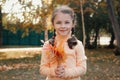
(60, 72)
(60, 67)
(61, 75)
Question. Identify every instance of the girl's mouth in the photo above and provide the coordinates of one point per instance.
(63, 30)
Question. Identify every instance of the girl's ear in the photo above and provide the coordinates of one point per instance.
(74, 24)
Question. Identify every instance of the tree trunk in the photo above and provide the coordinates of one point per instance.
(115, 26)
(83, 25)
(96, 37)
(0, 28)
(0, 35)
(46, 29)
(87, 45)
(118, 10)
(46, 35)
(111, 45)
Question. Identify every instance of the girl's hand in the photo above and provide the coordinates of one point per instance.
(60, 71)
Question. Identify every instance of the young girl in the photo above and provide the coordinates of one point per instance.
(63, 56)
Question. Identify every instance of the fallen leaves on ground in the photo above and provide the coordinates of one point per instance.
(102, 64)
(17, 66)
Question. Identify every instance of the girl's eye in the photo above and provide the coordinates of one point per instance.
(58, 22)
(67, 22)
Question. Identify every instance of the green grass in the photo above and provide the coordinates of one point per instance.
(102, 64)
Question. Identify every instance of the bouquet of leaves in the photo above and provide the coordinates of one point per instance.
(58, 50)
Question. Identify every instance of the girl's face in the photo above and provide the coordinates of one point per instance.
(63, 23)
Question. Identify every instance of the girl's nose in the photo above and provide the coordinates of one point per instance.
(63, 25)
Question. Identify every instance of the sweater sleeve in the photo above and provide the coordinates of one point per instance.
(81, 65)
(45, 68)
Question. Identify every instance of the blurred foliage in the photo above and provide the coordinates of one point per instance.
(37, 17)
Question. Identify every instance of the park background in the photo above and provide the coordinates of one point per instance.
(25, 24)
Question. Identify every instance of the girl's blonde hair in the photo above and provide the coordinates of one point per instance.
(66, 10)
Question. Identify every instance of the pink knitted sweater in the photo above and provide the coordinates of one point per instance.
(75, 64)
